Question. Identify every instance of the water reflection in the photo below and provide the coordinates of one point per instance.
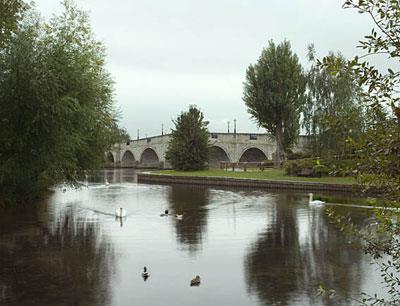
(64, 263)
(190, 202)
(113, 176)
(250, 247)
(296, 253)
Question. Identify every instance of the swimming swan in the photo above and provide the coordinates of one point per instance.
(315, 202)
(120, 212)
(195, 281)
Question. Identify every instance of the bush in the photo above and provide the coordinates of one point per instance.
(268, 163)
(320, 167)
(298, 155)
(291, 167)
(320, 170)
(294, 167)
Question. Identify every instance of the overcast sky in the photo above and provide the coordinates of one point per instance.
(165, 55)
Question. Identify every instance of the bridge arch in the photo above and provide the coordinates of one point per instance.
(253, 154)
(149, 158)
(218, 154)
(128, 159)
(110, 160)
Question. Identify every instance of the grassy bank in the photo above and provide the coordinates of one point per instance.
(269, 174)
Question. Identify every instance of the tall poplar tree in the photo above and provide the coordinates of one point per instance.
(274, 93)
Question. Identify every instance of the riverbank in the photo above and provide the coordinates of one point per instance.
(268, 179)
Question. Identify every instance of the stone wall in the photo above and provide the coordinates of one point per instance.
(246, 183)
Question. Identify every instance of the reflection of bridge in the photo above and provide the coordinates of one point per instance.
(231, 147)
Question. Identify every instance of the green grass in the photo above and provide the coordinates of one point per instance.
(268, 174)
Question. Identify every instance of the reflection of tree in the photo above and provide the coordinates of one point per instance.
(189, 201)
(66, 265)
(113, 176)
(281, 265)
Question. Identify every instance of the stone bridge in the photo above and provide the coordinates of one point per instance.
(231, 147)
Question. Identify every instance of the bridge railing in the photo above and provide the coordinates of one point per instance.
(246, 165)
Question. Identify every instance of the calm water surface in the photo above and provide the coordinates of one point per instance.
(250, 247)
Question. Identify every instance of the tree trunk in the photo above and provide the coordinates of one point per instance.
(280, 151)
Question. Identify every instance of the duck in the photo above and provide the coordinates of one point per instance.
(120, 212)
(145, 273)
(315, 202)
(195, 281)
(179, 217)
(166, 213)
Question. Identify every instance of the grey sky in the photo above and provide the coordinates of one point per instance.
(165, 55)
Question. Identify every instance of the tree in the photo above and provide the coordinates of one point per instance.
(188, 148)
(11, 13)
(56, 105)
(274, 93)
(333, 112)
(123, 135)
(379, 148)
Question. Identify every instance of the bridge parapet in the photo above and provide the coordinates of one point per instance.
(227, 147)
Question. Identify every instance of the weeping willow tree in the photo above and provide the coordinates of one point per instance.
(56, 104)
(334, 113)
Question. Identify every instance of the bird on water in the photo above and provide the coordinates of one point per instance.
(315, 202)
(195, 281)
(145, 273)
(120, 212)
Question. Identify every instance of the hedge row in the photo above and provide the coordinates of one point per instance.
(319, 167)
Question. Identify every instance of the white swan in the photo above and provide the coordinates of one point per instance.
(120, 212)
(315, 202)
(107, 183)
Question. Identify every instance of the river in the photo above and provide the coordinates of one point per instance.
(250, 247)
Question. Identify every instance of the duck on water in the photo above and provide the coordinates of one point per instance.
(195, 281)
(165, 214)
(145, 273)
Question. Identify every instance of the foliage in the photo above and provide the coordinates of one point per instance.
(298, 155)
(188, 148)
(320, 170)
(11, 13)
(381, 241)
(274, 93)
(121, 135)
(333, 112)
(379, 149)
(56, 104)
(321, 167)
(294, 167)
